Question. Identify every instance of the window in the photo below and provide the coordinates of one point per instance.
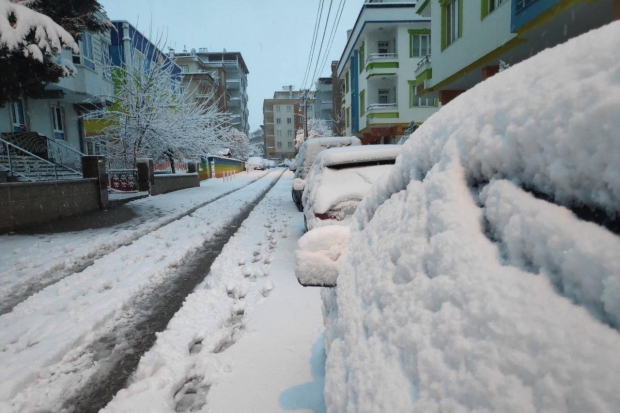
(348, 116)
(362, 102)
(290, 132)
(383, 47)
(278, 133)
(279, 144)
(17, 114)
(106, 61)
(489, 6)
(384, 95)
(289, 120)
(310, 108)
(185, 69)
(521, 4)
(86, 52)
(452, 13)
(290, 144)
(361, 58)
(289, 108)
(420, 45)
(59, 122)
(278, 120)
(346, 82)
(277, 108)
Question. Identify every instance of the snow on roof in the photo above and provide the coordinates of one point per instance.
(461, 291)
(353, 154)
(310, 149)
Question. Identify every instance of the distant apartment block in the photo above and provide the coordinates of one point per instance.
(236, 79)
(324, 100)
(283, 116)
(377, 68)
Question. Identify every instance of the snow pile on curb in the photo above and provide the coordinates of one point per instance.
(438, 312)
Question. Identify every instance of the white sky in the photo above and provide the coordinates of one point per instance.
(274, 36)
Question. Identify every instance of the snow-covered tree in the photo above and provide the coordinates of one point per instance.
(317, 128)
(32, 34)
(153, 116)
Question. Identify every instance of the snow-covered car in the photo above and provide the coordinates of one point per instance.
(339, 179)
(306, 156)
(255, 163)
(483, 272)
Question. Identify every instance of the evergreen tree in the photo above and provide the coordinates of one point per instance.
(22, 75)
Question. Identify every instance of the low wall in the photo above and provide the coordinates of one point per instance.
(170, 183)
(217, 167)
(23, 204)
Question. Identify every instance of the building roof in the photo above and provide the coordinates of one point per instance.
(224, 57)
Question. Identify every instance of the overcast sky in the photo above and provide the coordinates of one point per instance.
(274, 36)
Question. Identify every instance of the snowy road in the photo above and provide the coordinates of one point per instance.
(32, 262)
(56, 342)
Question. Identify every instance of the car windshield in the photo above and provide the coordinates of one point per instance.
(173, 174)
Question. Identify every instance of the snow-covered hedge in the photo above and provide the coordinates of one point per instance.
(461, 292)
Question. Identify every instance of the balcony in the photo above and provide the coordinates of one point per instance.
(234, 103)
(423, 75)
(384, 64)
(232, 84)
(236, 120)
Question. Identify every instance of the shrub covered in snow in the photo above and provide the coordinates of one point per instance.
(461, 291)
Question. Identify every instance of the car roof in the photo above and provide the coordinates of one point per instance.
(357, 154)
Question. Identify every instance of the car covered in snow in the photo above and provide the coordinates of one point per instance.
(482, 273)
(255, 163)
(306, 156)
(339, 179)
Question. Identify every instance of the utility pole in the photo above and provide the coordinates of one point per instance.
(306, 115)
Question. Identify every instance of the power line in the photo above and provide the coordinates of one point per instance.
(322, 40)
(319, 16)
(333, 33)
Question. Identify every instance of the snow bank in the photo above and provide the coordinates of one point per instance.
(430, 313)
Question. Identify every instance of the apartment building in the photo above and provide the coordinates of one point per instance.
(477, 35)
(283, 116)
(204, 83)
(377, 68)
(57, 115)
(324, 100)
(236, 79)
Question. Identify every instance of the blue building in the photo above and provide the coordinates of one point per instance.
(129, 46)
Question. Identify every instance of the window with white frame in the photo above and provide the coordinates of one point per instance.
(278, 120)
(383, 47)
(290, 144)
(289, 108)
(289, 120)
(279, 144)
(494, 4)
(185, 69)
(18, 115)
(278, 133)
(277, 108)
(310, 108)
(106, 61)
(58, 121)
(420, 45)
(452, 21)
(384, 96)
(86, 51)
(290, 133)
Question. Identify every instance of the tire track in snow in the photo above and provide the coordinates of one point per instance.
(45, 342)
(56, 274)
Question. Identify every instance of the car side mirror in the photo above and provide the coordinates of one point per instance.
(299, 184)
(318, 255)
